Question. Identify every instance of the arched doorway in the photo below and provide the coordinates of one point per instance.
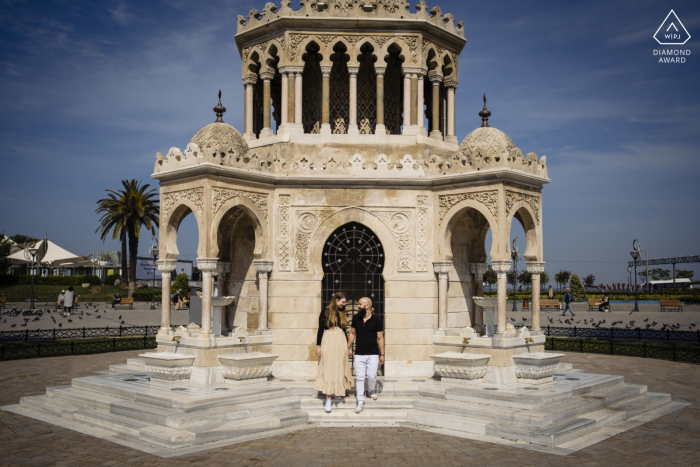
(353, 261)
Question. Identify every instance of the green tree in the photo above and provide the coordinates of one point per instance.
(114, 211)
(490, 276)
(21, 239)
(5, 247)
(684, 274)
(589, 281)
(577, 290)
(525, 278)
(181, 283)
(562, 277)
(659, 274)
(129, 209)
(544, 278)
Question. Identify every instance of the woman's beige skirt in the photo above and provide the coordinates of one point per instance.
(334, 374)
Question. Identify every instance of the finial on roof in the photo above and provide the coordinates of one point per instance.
(219, 109)
(484, 114)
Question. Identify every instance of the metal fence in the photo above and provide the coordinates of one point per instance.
(624, 334)
(77, 333)
(18, 351)
(676, 353)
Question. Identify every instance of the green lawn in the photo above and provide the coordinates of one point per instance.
(22, 350)
(49, 293)
(681, 352)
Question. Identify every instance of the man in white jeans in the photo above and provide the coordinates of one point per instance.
(368, 331)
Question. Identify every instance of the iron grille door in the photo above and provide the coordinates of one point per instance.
(353, 261)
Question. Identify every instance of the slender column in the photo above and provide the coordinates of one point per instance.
(478, 270)
(436, 133)
(352, 128)
(224, 269)
(406, 101)
(414, 99)
(267, 128)
(501, 268)
(298, 96)
(263, 268)
(325, 101)
(166, 267)
(285, 99)
(292, 98)
(535, 268)
(451, 87)
(420, 103)
(249, 83)
(207, 266)
(442, 269)
(381, 129)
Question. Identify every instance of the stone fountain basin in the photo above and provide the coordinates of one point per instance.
(221, 301)
(538, 359)
(461, 359)
(490, 302)
(167, 359)
(246, 360)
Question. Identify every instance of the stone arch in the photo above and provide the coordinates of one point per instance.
(223, 214)
(454, 215)
(522, 211)
(311, 87)
(330, 50)
(432, 59)
(253, 63)
(339, 99)
(272, 56)
(357, 50)
(168, 235)
(302, 50)
(448, 66)
(342, 217)
(395, 43)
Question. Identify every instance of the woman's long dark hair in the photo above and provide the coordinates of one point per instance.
(335, 316)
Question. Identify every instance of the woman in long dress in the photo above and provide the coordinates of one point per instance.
(334, 375)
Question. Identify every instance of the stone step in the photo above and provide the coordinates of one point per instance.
(122, 368)
(559, 433)
(350, 402)
(118, 424)
(238, 428)
(645, 403)
(448, 421)
(366, 417)
(48, 406)
(82, 399)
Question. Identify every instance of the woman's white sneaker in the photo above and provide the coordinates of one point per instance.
(373, 395)
(360, 406)
(328, 406)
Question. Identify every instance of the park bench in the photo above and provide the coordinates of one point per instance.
(673, 304)
(593, 305)
(2, 302)
(126, 301)
(549, 302)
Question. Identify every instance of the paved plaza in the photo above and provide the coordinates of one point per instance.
(671, 440)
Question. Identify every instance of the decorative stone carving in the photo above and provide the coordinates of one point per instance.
(221, 195)
(501, 267)
(442, 268)
(404, 242)
(465, 366)
(400, 225)
(263, 267)
(478, 269)
(513, 197)
(245, 366)
(301, 248)
(307, 222)
(167, 265)
(195, 195)
(488, 198)
(168, 366)
(284, 233)
(422, 236)
(536, 368)
(534, 267)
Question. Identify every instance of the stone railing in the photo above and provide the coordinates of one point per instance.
(369, 9)
(378, 166)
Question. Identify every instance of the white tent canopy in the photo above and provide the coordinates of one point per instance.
(54, 256)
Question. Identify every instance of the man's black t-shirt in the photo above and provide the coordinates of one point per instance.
(366, 334)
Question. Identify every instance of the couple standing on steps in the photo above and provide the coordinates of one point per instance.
(334, 376)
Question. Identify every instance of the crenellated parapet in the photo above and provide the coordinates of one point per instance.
(343, 9)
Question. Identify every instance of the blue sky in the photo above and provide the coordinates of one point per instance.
(90, 91)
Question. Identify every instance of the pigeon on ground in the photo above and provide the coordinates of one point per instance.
(646, 320)
(99, 316)
(70, 320)
(524, 319)
(13, 325)
(60, 325)
(120, 316)
(122, 322)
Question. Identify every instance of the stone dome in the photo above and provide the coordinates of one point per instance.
(220, 138)
(489, 140)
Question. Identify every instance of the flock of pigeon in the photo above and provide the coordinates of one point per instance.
(630, 325)
(36, 314)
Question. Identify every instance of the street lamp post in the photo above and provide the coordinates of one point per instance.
(30, 252)
(154, 254)
(514, 254)
(635, 255)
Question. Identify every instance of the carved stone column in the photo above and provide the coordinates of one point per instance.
(406, 101)
(535, 268)
(267, 127)
(224, 269)
(208, 267)
(442, 269)
(298, 95)
(414, 99)
(263, 268)
(326, 101)
(352, 128)
(436, 133)
(249, 83)
(165, 266)
(380, 129)
(478, 270)
(291, 98)
(501, 268)
(420, 103)
(451, 87)
(285, 99)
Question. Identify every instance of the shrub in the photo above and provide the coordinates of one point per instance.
(112, 278)
(9, 279)
(60, 280)
(577, 290)
(144, 295)
(181, 283)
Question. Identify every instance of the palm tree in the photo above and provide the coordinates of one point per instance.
(113, 209)
(126, 211)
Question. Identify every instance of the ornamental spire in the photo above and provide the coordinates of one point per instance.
(484, 114)
(220, 109)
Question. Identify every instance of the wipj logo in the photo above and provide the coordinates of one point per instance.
(672, 31)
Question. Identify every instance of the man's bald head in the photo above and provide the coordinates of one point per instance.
(366, 303)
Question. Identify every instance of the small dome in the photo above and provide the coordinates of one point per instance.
(488, 139)
(220, 138)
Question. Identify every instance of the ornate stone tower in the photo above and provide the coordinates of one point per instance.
(349, 177)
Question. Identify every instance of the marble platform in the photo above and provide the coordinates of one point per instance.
(572, 411)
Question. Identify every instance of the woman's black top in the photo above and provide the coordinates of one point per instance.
(322, 327)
